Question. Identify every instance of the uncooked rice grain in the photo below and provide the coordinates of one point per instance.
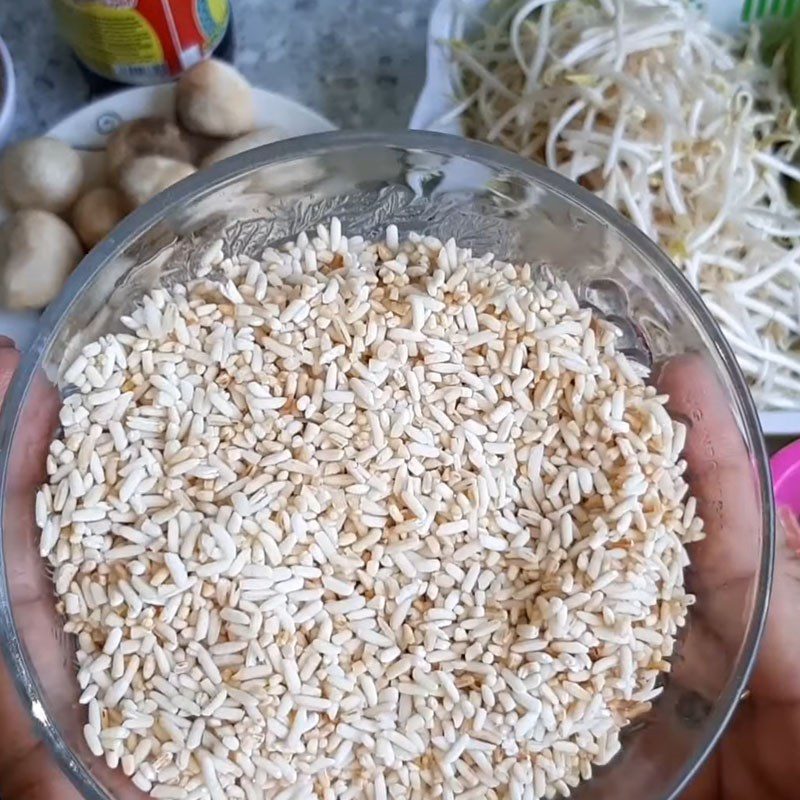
(365, 519)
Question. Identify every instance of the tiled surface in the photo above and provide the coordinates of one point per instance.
(359, 62)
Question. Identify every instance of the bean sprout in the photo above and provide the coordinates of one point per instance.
(678, 126)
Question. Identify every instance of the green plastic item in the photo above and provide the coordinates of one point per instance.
(754, 10)
(793, 60)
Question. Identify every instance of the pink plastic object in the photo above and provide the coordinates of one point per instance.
(786, 477)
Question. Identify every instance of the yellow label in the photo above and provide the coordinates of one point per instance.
(212, 18)
(219, 11)
(106, 38)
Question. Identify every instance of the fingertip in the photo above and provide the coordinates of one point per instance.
(690, 382)
(720, 473)
(9, 358)
(9, 361)
(698, 398)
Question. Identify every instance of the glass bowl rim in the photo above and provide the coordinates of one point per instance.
(323, 144)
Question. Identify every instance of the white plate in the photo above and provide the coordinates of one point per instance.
(8, 92)
(436, 107)
(89, 127)
(437, 110)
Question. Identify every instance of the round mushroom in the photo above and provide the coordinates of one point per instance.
(97, 212)
(214, 99)
(38, 250)
(148, 136)
(42, 173)
(146, 176)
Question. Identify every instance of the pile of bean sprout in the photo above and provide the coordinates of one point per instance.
(683, 129)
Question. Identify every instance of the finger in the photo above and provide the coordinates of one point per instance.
(758, 748)
(721, 475)
(27, 770)
(12, 712)
(706, 783)
(776, 679)
(724, 566)
(36, 776)
(790, 525)
(25, 570)
(9, 360)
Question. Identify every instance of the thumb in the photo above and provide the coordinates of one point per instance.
(9, 359)
(26, 770)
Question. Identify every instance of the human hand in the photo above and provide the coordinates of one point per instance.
(28, 771)
(758, 756)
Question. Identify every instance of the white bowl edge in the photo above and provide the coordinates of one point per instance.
(438, 96)
(8, 98)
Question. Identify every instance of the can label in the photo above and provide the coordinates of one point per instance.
(142, 41)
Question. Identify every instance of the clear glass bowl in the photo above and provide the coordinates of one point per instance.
(489, 200)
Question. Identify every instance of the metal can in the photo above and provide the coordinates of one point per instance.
(142, 41)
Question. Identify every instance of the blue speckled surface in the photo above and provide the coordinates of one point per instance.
(361, 63)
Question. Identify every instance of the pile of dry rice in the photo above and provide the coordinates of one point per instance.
(365, 520)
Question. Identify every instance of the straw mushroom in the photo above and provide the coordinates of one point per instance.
(146, 176)
(97, 212)
(214, 99)
(148, 136)
(42, 173)
(38, 250)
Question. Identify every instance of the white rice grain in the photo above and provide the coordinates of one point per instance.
(349, 517)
